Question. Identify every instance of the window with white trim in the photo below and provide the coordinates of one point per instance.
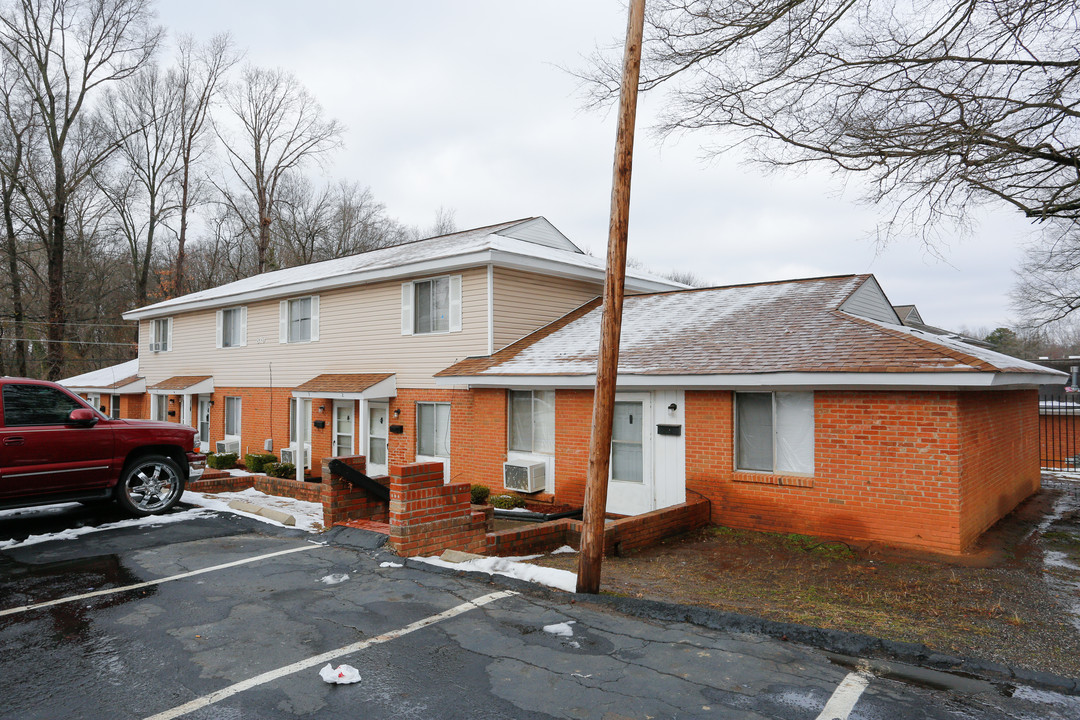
(233, 412)
(114, 406)
(232, 327)
(532, 421)
(299, 320)
(431, 306)
(433, 429)
(159, 407)
(161, 335)
(774, 432)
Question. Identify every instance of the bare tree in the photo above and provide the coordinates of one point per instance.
(943, 104)
(64, 50)
(281, 128)
(143, 182)
(199, 74)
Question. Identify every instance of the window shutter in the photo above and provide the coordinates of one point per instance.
(153, 333)
(220, 329)
(283, 321)
(455, 303)
(407, 308)
(243, 325)
(314, 318)
(168, 334)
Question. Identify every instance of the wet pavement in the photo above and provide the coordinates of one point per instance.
(245, 637)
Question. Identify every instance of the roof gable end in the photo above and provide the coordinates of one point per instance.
(541, 232)
(869, 301)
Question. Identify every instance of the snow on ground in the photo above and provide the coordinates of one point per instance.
(564, 549)
(72, 533)
(308, 515)
(562, 629)
(513, 567)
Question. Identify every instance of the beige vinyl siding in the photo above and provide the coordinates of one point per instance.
(525, 302)
(359, 332)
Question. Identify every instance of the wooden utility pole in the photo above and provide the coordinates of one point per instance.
(607, 363)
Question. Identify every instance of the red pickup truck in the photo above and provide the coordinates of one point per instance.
(55, 448)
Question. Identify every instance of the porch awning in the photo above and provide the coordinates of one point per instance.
(363, 386)
(184, 385)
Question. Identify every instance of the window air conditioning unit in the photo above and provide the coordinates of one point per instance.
(288, 455)
(522, 476)
(227, 446)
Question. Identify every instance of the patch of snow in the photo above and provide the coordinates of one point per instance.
(390, 564)
(563, 550)
(72, 533)
(1046, 697)
(509, 567)
(335, 579)
(308, 515)
(516, 510)
(562, 629)
(38, 510)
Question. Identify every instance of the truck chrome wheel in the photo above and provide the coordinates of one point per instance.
(150, 484)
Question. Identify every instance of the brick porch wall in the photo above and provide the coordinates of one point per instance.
(428, 516)
(342, 502)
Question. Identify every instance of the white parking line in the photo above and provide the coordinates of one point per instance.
(844, 697)
(149, 583)
(227, 692)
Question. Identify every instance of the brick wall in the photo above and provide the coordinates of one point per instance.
(428, 516)
(999, 456)
(341, 501)
(887, 467)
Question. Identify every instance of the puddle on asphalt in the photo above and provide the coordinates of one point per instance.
(28, 583)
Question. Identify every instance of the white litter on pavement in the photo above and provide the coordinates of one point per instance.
(341, 675)
(72, 533)
(562, 629)
(390, 564)
(308, 515)
(510, 567)
(334, 579)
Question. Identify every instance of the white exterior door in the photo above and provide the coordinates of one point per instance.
(377, 438)
(631, 485)
(204, 423)
(344, 427)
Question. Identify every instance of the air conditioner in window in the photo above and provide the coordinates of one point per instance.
(523, 476)
(288, 455)
(227, 446)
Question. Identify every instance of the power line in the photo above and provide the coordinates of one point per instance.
(69, 342)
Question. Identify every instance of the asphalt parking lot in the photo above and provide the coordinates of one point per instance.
(221, 617)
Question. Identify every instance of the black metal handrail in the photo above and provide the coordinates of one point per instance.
(358, 479)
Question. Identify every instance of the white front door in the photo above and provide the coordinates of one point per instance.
(630, 488)
(377, 437)
(204, 423)
(344, 427)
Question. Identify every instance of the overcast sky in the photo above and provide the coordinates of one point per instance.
(464, 105)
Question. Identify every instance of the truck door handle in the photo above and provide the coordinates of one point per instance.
(14, 440)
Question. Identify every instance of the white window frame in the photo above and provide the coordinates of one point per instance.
(409, 309)
(159, 406)
(776, 427)
(239, 402)
(114, 406)
(160, 327)
(241, 330)
(285, 320)
(534, 403)
(435, 440)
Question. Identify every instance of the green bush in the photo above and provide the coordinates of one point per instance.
(257, 463)
(505, 502)
(480, 494)
(222, 461)
(280, 469)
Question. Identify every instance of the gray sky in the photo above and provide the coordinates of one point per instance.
(463, 105)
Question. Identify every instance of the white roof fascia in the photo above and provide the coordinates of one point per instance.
(383, 389)
(772, 381)
(500, 258)
(136, 387)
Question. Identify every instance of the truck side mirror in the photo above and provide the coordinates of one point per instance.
(83, 417)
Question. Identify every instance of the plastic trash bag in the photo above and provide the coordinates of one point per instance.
(342, 674)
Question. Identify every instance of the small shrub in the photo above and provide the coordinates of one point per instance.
(505, 502)
(480, 494)
(280, 469)
(257, 462)
(222, 461)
